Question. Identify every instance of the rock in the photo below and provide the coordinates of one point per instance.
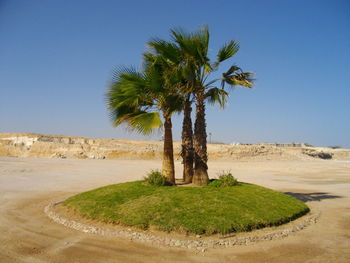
(318, 154)
(58, 155)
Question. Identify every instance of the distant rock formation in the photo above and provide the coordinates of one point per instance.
(54, 146)
(293, 144)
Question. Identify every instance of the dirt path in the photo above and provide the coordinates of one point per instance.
(27, 235)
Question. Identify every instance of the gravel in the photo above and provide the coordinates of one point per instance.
(198, 244)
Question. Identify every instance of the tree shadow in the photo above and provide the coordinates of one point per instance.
(308, 197)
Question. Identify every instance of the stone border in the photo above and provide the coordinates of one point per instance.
(198, 244)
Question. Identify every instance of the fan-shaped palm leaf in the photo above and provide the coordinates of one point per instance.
(227, 51)
(144, 122)
(244, 79)
(217, 96)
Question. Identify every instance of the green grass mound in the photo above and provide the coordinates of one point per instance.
(199, 210)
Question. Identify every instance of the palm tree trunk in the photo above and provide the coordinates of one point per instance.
(168, 169)
(187, 142)
(200, 143)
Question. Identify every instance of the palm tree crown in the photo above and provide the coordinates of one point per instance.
(138, 98)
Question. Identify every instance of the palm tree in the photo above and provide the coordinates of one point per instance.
(173, 56)
(187, 150)
(197, 68)
(138, 98)
(187, 59)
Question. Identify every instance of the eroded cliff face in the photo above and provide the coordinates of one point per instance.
(37, 145)
(54, 146)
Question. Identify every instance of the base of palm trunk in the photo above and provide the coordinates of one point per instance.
(188, 174)
(200, 176)
(169, 176)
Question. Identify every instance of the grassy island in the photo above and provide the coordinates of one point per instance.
(191, 210)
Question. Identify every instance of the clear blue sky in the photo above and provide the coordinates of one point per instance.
(56, 58)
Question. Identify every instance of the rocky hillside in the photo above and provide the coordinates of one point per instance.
(53, 146)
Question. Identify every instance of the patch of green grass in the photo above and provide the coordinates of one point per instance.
(198, 210)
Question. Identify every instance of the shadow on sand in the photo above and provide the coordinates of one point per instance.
(307, 197)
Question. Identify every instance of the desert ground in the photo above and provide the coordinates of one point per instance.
(27, 185)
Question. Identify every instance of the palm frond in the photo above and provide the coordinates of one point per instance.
(169, 51)
(144, 122)
(194, 46)
(130, 92)
(175, 102)
(201, 38)
(232, 70)
(227, 51)
(217, 96)
(120, 115)
(244, 79)
(179, 34)
(130, 98)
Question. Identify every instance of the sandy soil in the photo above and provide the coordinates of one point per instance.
(27, 185)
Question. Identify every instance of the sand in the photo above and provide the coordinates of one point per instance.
(27, 185)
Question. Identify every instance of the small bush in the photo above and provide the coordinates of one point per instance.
(215, 183)
(155, 177)
(226, 179)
